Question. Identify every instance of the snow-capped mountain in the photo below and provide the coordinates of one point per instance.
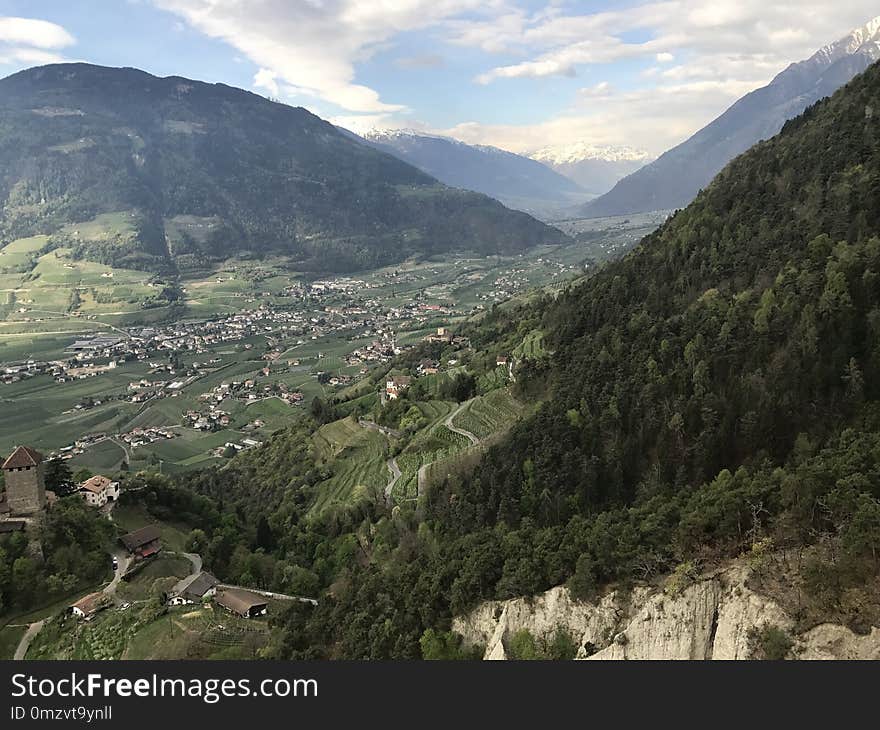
(596, 168)
(517, 181)
(580, 151)
(674, 178)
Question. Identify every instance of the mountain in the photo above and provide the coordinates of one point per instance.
(134, 170)
(596, 168)
(516, 181)
(714, 394)
(675, 177)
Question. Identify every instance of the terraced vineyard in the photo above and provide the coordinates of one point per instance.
(357, 458)
(490, 413)
(532, 346)
(433, 444)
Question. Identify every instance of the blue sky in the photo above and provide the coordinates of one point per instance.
(517, 74)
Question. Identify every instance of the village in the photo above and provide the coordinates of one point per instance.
(26, 500)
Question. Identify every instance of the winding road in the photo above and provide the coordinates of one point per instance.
(23, 645)
(123, 560)
(422, 475)
(460, 431)
(395, 475)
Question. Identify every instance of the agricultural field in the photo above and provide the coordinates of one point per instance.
(490, 413)
(48, 299)
(357, 457)
(143, 631)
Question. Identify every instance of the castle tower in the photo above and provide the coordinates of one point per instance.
(24, 473)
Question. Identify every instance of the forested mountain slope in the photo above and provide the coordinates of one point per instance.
(145, 172)
(712, 394)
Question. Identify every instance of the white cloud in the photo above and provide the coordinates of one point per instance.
(265, 79)
(36, 33)
(32, 42)
(704, 54)
(314, 45)
(653, 119)
(711, 31)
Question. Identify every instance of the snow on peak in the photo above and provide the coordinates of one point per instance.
(580, 151)
(864, 39)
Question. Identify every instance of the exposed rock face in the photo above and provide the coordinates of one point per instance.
(710, 619)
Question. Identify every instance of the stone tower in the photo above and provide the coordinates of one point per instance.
(24, 473)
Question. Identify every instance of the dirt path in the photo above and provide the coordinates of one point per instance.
(395, 475)
(23, 645)
(460, 431)
(122, 562)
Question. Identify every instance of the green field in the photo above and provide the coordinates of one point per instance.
(356, 456)
(490, 413)
(134, 517)
(187, 632)
(163, 566)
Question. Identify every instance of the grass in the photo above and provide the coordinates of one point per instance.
(163, 566)
(187, 632)
(490, 413)
(133, 517)
(357, 457)
(10, 636)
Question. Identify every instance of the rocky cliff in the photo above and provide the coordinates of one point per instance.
(710, 619)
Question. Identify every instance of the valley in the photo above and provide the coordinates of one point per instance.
(281, 337)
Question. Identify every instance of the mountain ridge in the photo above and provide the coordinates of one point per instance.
(200, 171)
(674, 179)
(515, 180)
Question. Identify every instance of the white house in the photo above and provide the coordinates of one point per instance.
(98, 490)
(193, 589)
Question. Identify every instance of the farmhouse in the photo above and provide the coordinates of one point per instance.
(428, 367)
(244, 603)
(143, 543)
(396, 384)
(98, 490)
(9, 526)
(88, 606)
(193, 589)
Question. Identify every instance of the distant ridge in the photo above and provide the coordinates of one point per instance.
(674, 179)
(173, 173)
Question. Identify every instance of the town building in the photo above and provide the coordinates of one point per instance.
(193, 589)
(88, 606)
(143, 543)
(98, 490)
(396, 384)
(25, 475)
(243, 603)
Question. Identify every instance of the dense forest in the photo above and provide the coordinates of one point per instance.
(712, 394)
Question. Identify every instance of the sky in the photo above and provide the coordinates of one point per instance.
(517, 74)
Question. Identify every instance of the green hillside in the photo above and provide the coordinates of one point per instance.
(712, 395)
(141, 172)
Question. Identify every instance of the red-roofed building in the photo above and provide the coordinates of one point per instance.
(98, 490)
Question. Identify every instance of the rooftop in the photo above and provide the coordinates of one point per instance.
(96, 484)
(138, 538)
(23, 456)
